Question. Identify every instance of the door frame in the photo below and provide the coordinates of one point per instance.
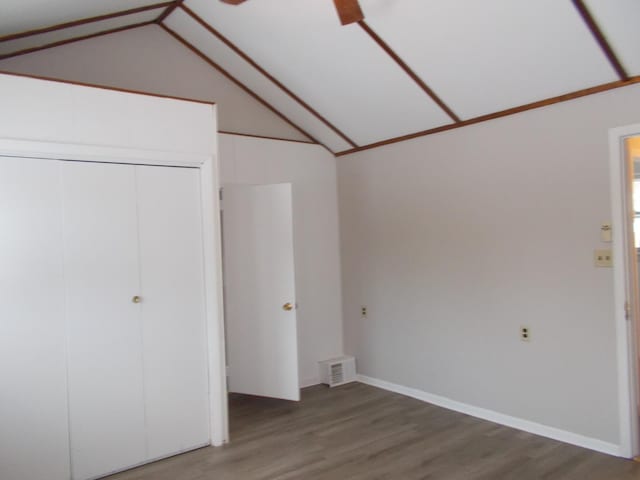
(625, 297)
(211, 236)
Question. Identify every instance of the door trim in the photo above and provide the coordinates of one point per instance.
(214, 303)
(10, 147)
(625, 329)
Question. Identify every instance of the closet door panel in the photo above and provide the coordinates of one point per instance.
(175, 340)
(106, 392)
(34, 438)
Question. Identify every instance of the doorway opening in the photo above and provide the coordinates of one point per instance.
(259, 294)
(632, 157)
(625, 200)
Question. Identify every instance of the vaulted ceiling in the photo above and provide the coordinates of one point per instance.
(412, 67)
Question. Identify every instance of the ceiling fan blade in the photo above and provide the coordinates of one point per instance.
(349, 11)
(233, 2)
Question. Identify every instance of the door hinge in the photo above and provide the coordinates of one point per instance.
(627, 311)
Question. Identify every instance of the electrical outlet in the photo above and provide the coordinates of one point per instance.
(525, 334)
(603, 258)
(363, 312)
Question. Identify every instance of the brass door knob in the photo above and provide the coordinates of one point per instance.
(287, 307)
(136, 299)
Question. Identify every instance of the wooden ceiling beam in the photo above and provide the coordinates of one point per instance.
(503, 113)
(270, 77)
(597, 33)
(266, 137)
(239, 84)
(402, 64)
(75, 39)
(168, 11)
(83, 21)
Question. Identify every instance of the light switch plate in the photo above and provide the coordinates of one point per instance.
(603, 258)
(605, 232)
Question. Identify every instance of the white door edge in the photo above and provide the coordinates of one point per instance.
(218, 408)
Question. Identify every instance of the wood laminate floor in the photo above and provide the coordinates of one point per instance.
(358, 432)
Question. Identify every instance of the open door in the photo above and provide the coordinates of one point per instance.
(259, 281)
(632, 306)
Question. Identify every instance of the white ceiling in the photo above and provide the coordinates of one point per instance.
(485, 56)
(340, 86)
(337, 70)
(620, 22)
(23, 15)
(34, 41)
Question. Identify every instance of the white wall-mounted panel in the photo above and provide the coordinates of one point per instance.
(59, 112)
(49, 38)
(33, 396)
(18, 16)
(222, 55)
(337, 70)
(620, 23)
(483, 57)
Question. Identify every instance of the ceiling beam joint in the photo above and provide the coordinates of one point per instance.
(503, 113)
(217, 67)
(270, 77)
(168, 11)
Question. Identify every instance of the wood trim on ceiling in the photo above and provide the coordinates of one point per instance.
(251, 62)
(266, 137)
(504, 113)
(104, 87)
(240, 84)
(75, 39)
(84, 21)
(402, 64)
(168, 11)
(599, 36)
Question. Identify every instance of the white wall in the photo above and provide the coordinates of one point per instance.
(150, 60)
(312, 171)
(455, 240)
(59, 113)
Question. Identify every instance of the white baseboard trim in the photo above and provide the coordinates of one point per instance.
(502, 419)
(309, 382)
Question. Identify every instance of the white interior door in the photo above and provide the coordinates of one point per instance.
(262, 343)
(172, 307)
(33, 391)
(106, 387)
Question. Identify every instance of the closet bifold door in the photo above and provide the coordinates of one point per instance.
(173, 310)
(106, 383)
(34, 437)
